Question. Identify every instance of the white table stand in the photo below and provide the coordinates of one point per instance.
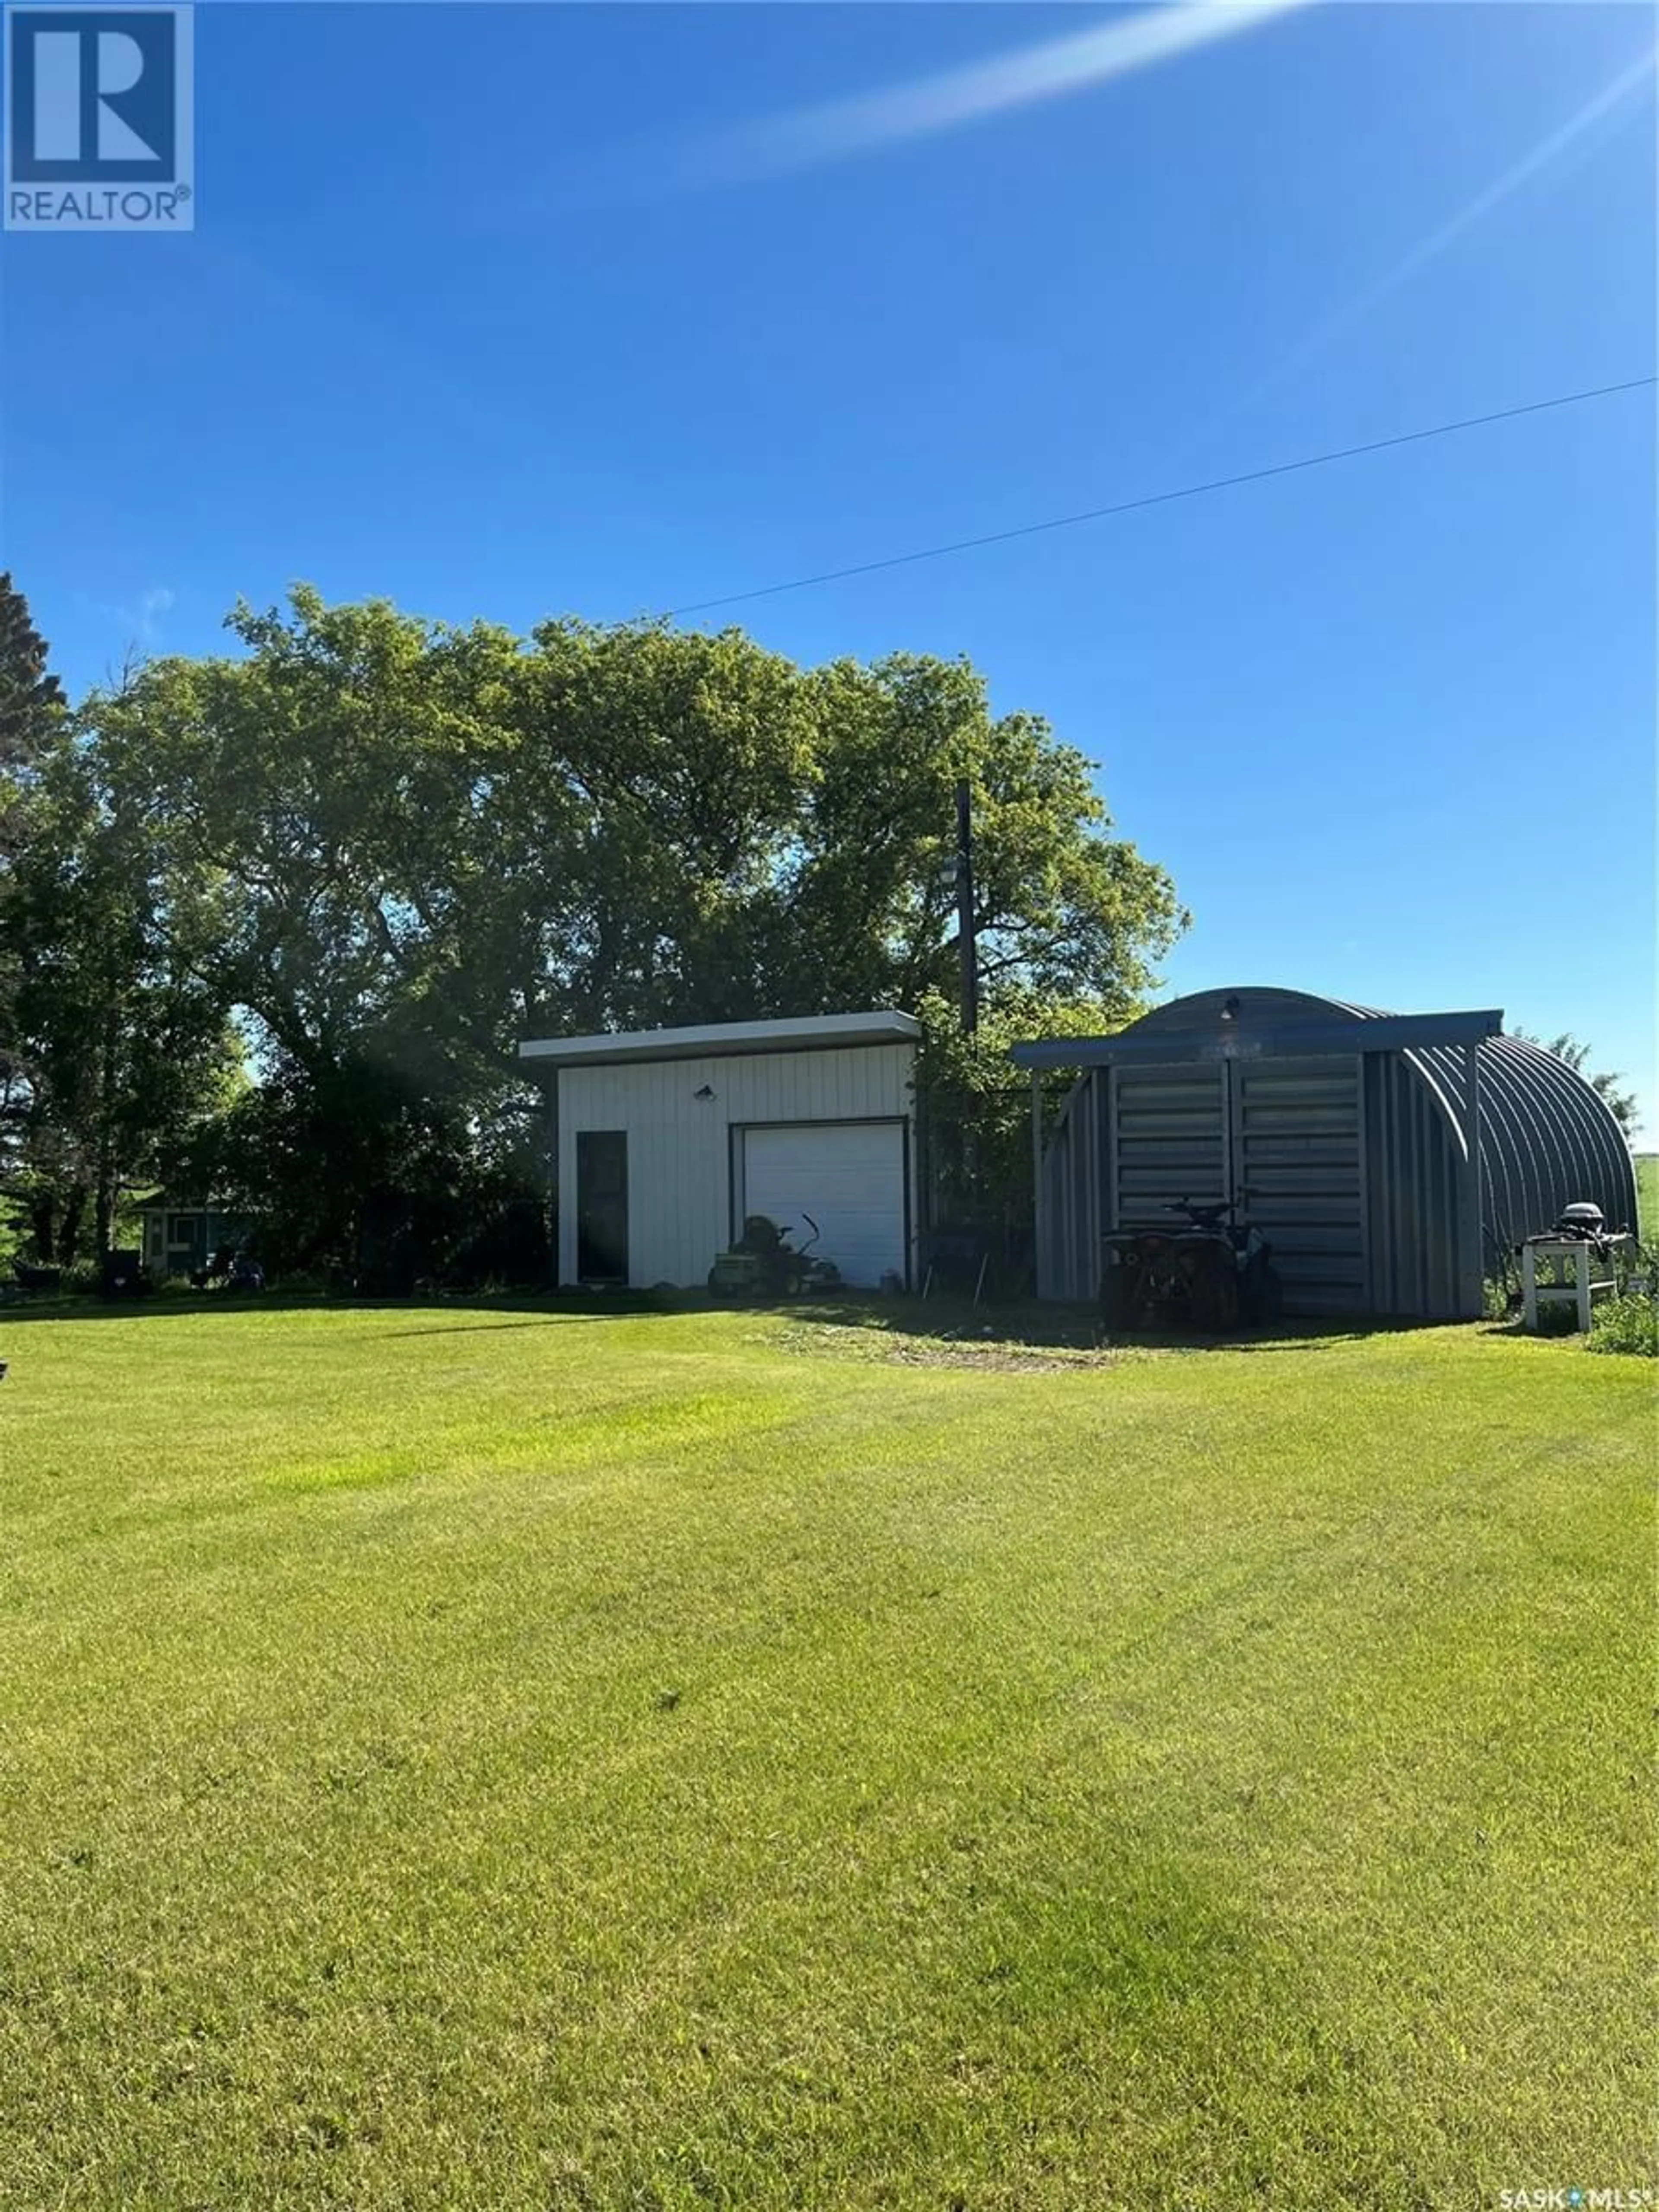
(1556, 1270)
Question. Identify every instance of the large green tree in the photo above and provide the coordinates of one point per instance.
(976, 1108)
(599, 827)
(657, 786)
(337, 792)
(121, 1042)
(867, 916)
(32, 712)
(32, 704)
(424, 843)
(331, 788)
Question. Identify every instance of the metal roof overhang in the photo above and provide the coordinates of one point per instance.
(716, 1040)
(1163, 1048)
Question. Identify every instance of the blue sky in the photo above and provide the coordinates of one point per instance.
(520, 310)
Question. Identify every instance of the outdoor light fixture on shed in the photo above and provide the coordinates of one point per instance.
(703, 1091)
(1230, 1010)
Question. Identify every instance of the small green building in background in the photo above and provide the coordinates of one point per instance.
(182, 1235)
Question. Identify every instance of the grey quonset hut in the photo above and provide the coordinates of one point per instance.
(1341, 1132)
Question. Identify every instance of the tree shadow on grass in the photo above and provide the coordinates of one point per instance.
(1044, 1327)
(1515, 1328)
(1027, 1323)
(549, 1308)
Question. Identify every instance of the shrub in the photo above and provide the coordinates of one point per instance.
(1630, 1323)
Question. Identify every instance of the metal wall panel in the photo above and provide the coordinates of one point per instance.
(679, 1145)
(1068, 1202)
(1547, 1138)
(1299, 1175)
(1414, 1168)
(1171, 1133)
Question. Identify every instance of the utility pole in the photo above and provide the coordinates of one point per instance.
(967, 950)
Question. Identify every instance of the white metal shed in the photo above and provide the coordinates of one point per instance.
(666, 1139)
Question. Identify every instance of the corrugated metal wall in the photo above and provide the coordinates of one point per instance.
(1299, 1174)
(1069, 1200)
(1353, 1166)
(1547, 1138)
(679, 1145)
(1166, 1139)
(1412, 1188)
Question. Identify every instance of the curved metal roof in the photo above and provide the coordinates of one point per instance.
(1547, 1136)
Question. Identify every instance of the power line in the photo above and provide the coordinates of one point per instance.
(1165, 498)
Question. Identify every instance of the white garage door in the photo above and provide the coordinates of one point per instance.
(848, 1176)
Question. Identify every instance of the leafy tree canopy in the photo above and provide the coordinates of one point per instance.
(31, 698)
(386, 848)
(605, 828)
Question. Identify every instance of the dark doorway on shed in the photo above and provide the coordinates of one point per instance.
(602, 1205)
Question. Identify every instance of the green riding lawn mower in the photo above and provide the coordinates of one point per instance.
(763, 1264)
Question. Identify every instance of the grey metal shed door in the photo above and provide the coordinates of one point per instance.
(1299, 1175)
(1168, 1141)
(1280, 1138)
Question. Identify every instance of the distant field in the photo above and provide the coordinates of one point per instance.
(466, 1760)
(1647, 1193)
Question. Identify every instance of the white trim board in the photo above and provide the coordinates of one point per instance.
(791, 1033)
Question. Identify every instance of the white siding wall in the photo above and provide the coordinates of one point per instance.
(680, 1146)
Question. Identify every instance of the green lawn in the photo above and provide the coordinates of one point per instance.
(1647, 1193)
(484, 1759)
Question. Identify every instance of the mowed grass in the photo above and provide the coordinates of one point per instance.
(470, 1759)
